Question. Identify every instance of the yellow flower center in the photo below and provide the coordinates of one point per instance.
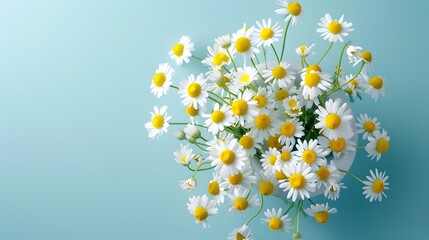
(194, 90)
(226, 79)
(218, 116)
(312, 79)
(200, 213)
(247, 142)
(335, 27)
(376, 82)
(239, 236)
(323, 173)
(266, 33)
(321, 216)
(260, 100)
(262, 121)
(213, 188)
(158, 121)
(281, 94)
(309, 156)
(337, 145)
(369, 126)
(220, 58)
(191, 111)
(272, 160)
(332, 121)
(280, 175)
(279, 72)
(242, 44)
(378, 186)
(287, 129)
(227, 156)
(275, 223)
(241, 203)
(285, 156)
(367, 56)
(293, 103)
(354, 83)
(245, 78)
(303, 48)
(239, 107)
(177, 49)
(294, 8)
(297, 181)
(273, 141)
(235, 179)
(313, 67)
(266, 187)
(159, 79)
(382, 145)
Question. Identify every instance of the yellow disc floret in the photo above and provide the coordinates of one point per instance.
(376, 82)
(378, 186)
(297, 181)
(241, 203)
(281, 95)
(337, 145)
(309, 156)
(332, 121)
(321, 216)
(246, 142)
(218, 116)
(159, 79)
(278, 72)
(213, 188)
(275, 223)
(239, 107)
(177, 49)
(382, 145)
(294, 8)
(266, 33)
(280, 175)
(242, 44)
(272, 160)
(194, 90)
(262, 121)
(266, 187)
(285, 156)
(369, 126)
(200, 213)
(261, 101)
(287, 129)
(235, 179)
(313, 67)
(191, 111)
(323, 173)
(158, 121)
(367, 56)
(311, 79)
(227, 157)
(220, 58)
(335, 27)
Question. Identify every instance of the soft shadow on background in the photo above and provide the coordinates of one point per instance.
(75, 160)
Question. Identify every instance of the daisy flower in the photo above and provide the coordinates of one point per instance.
(217, 57)
(161, 80)
(334, 119)
(320, 212)
(292, 10)
(242, 233)
(182, 51)
(221, 137)
(286, 157)
(265, 34)
(367, 125)
(313, 83)
(280, 75)
(357, 55)
(301, 181)
(289, 130)
(214, 189)
(266, 183)
(193, 91)
(292, 106)
(281, 94)
(244, 107)
(264, 98)
(338, 146)
(269, 159)
(327, 175)
(249, 144)
(378, 144)
(200, 207)
(223, 41)
(352, 85)
(310, 153)
(228, 157)
(159, 122)
(304, 51)
(220, 118)
(245, 76)
(192, 113)
(242, 179)
(188, 184)
(183, 156)
(334, 30)
(273, 142)
(374, 86)
(276, 220)
(240, 201)
(265, 124)
(332, 192)
(243, 42)
(375, 186)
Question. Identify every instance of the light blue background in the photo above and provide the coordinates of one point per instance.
(75, 160)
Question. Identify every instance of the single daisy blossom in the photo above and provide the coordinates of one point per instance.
(201, 208)
(310, 153)
(334, 30)
(244, 43)
(301, 181)
(374, 86)
(287, 156)
(217, 57)
(249, 144)
(265, 34)
(242, 233)
(280, 75)
(327, 175)
(378, 144)
(276, 220)
(183, 156)
(244, 107)
(188, 184)
(161, 80)
(269, 159)
(375, 186)
(334, 119)
(193, 91)
(292, 106)
(304, 51)
(214, 189)
(266, 183)
(292, 10)
(223, 41)
(228, 157)
(367, 125)
(244, 178)
(357, 55)
(264, 98)
(265, 124)
(245, 76)
(332, 192)
(338, 146)
(320, 212)
(313, 83)
(352, 85)
(289, 130)
(240, 201)
(182, 51)
(220, 118)
(159, 122)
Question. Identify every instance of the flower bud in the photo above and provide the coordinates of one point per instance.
(192, 132)
(296, 236)
(188, 184)
(180, 135)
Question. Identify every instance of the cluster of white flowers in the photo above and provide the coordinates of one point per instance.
(275, 126)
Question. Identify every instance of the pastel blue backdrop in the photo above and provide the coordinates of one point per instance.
(75, 160)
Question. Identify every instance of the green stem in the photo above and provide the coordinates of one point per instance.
(326, 53)
(259, 210)
(352, 175)
(200, 59)
(256, 57)
(175, 87)
(341, 86)
(284, 39)
(275, 52)
(183, 123)
(197, 169)
(232, 59)
(265, 56)
(254, 65)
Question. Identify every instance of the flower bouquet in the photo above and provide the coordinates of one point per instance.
(272, 127)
